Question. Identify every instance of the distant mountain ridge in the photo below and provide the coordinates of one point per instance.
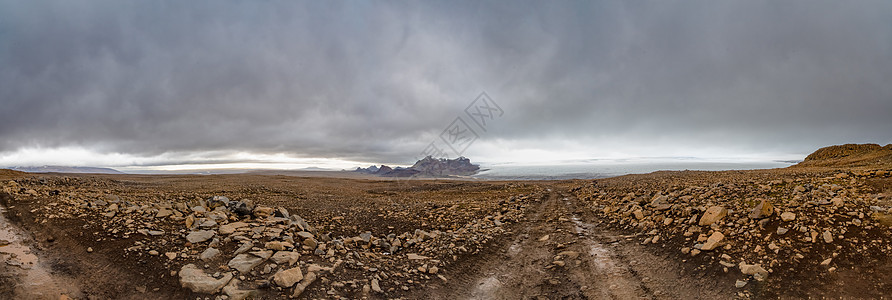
(426, 167)
(65, 169)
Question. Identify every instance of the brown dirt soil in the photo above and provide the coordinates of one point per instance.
(583, 256)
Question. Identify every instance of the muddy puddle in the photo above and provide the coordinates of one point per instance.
(34, 279)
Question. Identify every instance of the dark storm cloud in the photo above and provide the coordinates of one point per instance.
(377, 80)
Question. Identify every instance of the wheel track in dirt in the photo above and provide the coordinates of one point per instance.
(609, 266)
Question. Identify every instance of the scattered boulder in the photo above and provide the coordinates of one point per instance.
(712, 215)
(762, 210)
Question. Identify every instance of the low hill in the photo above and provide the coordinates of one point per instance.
(850, 155)
(64, 169)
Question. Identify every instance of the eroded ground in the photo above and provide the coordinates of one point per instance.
(265, 236)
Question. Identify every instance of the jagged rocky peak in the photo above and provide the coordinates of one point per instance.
(445, 167)
(427, 167)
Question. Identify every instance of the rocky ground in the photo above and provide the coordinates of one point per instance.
(795, 232)
(787, 233)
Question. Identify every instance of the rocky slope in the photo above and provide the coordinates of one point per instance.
(850, 155)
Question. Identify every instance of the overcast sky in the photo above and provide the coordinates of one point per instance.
(117, 83)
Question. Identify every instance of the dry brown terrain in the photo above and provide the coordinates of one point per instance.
(787, 233)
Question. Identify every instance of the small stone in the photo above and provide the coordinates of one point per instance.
(376, 287)
(713, 241)
(171, 255)
(231, 227)
(752, 269)
(740, 284)
(287, 278)
(828, 237)
(199, 236)
(305, 235)
(299, 289)
(163, 213)
(235, 293)
(413, 256)
(285, 257)
(89, 249)
(153, 252)
(245, 262)
(279, 246)
(209, 254)
(826, 261)
(763, 210)
(788, 216)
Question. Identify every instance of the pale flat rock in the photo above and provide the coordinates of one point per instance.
(209, 254)
(231, 227)
(788, 216)
(414, 256)
(279, 246)
(752, 269)
(245, 262)
(283, 257)
(195, 279)
(199, 236)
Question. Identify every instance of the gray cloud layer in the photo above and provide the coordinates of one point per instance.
(376, 81)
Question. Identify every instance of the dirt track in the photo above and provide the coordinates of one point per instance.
(557, 253)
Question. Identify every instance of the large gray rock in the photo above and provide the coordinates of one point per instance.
(199, 236)
(195, 279)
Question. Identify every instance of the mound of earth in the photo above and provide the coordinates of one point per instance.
(850, 155)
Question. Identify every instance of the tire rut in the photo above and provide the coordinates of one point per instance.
(560, 252)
